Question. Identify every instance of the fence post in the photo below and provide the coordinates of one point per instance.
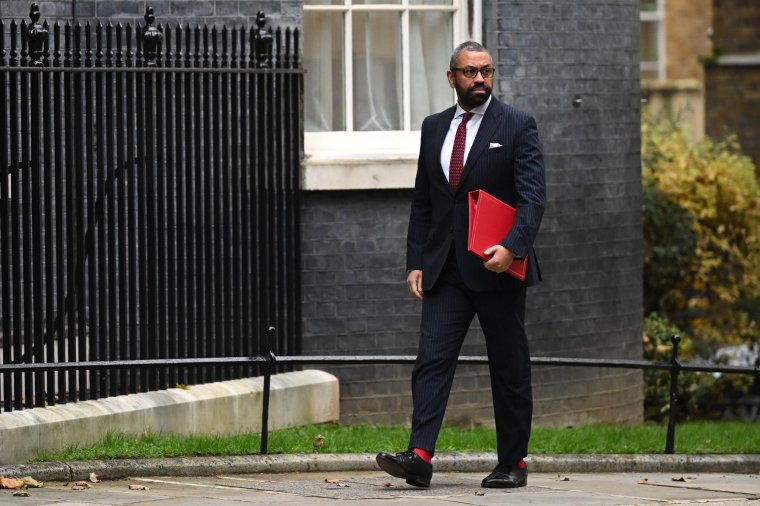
(675, 368)
(268, 368)
(36, 34)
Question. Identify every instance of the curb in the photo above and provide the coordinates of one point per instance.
(444, 462)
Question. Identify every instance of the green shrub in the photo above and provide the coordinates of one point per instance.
(701, 236)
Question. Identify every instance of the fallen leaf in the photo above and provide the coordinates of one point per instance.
(562, 478)
(319, 441)
(331, 480)
(480, 493)
(138, 487)
(387, 484)
(682, 479)
(20, 493)
(31, 482)
(344, 485)
(10, 483)
(80, 485)
(94, 478)
(643, 481)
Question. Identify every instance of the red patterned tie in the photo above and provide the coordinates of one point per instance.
(457, 154)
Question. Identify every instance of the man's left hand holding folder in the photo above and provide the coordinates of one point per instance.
(501, 258)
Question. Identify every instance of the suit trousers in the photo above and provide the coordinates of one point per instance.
(447, 312)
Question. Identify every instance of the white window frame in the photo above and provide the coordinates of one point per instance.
(657, 17)
(384, 158)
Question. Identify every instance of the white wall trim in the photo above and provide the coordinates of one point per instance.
(739, 60)
(368, 173)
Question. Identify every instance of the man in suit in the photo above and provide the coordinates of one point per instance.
(480, 143)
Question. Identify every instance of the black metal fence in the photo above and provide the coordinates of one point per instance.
(149, 205)
(270, 361)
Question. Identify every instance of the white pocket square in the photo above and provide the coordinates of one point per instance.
(494, 145)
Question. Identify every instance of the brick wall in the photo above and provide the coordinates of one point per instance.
(355, 301)
(737, 26)
(732, 77)
(732, 105)
(549, 53)
(228, 12)
(686, 31)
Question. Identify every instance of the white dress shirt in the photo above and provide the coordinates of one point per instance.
(472, 130)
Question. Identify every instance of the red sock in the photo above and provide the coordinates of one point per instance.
(424, 455)
(521, 464)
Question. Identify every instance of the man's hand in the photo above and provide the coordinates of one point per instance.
(414, 282)
(501, 258)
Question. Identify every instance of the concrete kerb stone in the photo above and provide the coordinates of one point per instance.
(297, 398)
(445, 462)
(52, 471)
(741, 464)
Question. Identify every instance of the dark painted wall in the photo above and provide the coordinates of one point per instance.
(548, 54)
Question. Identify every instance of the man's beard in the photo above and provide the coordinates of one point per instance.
(467, 98)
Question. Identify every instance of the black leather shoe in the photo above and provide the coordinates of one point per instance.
(408, 466)
(504, 476)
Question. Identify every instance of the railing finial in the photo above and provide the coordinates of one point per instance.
(262, 42)
(152, 38)
(36, 34)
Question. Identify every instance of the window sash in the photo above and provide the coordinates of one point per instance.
(656, 18)
(404, 8)
(337, 148)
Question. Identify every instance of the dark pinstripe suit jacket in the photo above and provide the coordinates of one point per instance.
(506, 161)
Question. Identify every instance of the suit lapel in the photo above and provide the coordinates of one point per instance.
(488, 125)
(440, 136)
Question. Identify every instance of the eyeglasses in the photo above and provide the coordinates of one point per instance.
(470, 72)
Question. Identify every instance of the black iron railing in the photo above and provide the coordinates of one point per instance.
(149, 204)
(270, 361)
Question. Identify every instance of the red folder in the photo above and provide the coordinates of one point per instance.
(490, 220)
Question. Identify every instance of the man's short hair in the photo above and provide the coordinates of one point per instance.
(470, 45)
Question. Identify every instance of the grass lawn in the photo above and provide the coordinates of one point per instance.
(691, 438)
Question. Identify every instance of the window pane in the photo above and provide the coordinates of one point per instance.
(431, 44)
(430, 2)
(375, 2)
(324, 96)
(648, 42)
(648, 5)
(649, 74)
(377, 71)
(323, 2)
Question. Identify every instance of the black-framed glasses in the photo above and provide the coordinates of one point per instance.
(470, 72)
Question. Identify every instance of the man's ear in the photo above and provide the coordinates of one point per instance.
(450, 77)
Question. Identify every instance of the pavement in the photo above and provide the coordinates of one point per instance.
(321, 479)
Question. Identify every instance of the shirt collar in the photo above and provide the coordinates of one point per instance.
(481, 109)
